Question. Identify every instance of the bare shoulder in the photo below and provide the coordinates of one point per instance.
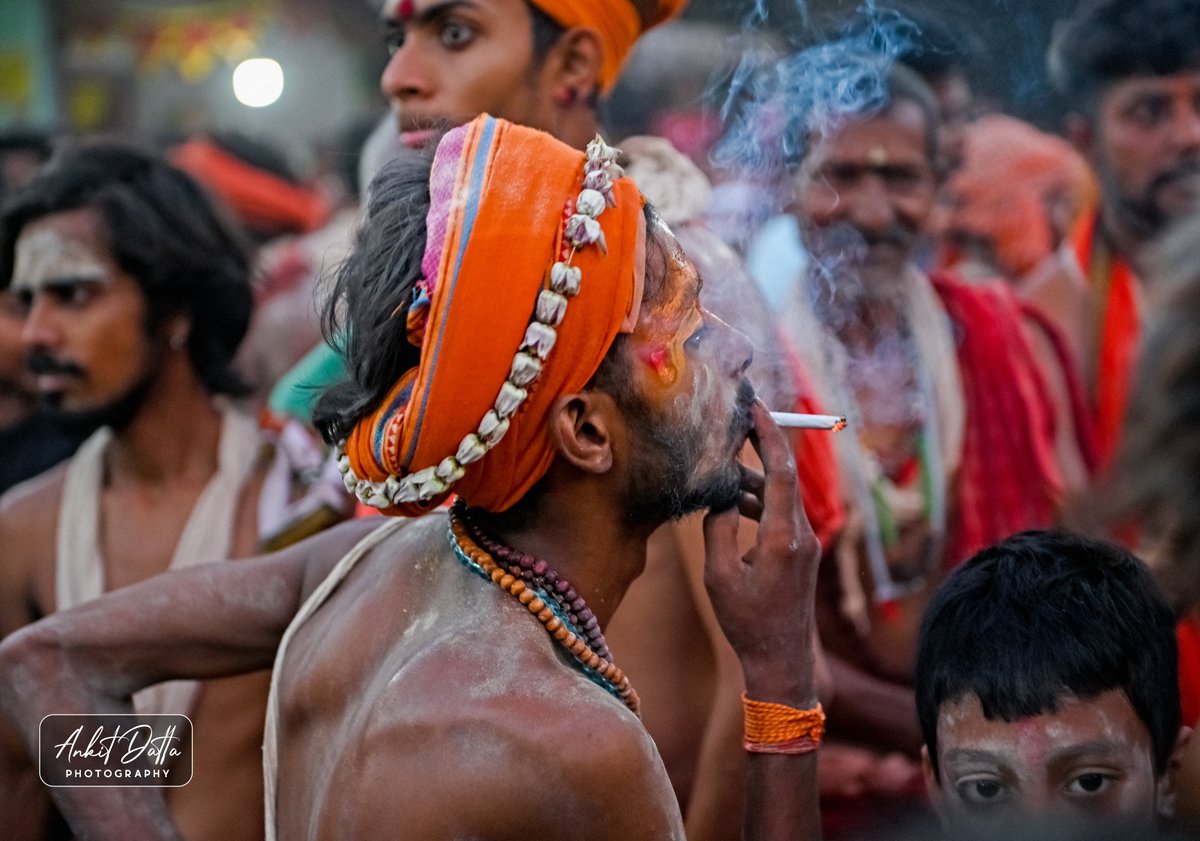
(28, 520)
(551, 767)
(325, 549)
(32, 506)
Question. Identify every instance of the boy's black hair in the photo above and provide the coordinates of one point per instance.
(1046, 615)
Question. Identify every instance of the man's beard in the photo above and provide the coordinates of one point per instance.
(1144, 213)
(664, 481)
(840, 285)
(117, 413)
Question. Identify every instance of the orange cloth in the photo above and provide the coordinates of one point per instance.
(260, 199)
(617, 22)
(1117, 326)
(511, 186)
(1011, 176)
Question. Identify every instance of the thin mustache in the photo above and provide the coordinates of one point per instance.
(43, 363)
(1187, 170)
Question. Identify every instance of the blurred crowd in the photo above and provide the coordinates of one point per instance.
(1005, 314)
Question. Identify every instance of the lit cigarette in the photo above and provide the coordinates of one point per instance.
(792, 420)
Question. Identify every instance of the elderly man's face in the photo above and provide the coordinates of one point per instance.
(864, 194)
(1146, 149)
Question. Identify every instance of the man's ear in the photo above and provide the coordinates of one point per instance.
(582, 427)
(574, 64)
(1081, 132)
(1176, 777)
(932, 790)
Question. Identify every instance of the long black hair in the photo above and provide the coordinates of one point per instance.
(187, 254)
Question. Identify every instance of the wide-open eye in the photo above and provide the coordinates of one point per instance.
(982, 791)
(455, 34)
(1090, 784)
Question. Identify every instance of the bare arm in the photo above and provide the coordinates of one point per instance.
(764, 602)
(202, 622)
(883, 712)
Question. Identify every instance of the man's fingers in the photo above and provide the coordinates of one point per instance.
(780, 491)
(753, 481)
(750, 506)
(720, 538)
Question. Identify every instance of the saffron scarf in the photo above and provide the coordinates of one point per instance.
(507, 249)
(1115, 328)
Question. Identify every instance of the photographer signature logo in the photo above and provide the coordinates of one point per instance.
(115, 750)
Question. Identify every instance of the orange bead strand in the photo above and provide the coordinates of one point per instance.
(572, 642)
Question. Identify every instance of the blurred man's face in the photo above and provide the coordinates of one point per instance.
(955, 107)
(864, 194)
(85, 330)
(1089, 762)
(15, 378)
(1146, 149)
(455, 59)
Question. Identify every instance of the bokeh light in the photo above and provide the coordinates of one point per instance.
(257, 82)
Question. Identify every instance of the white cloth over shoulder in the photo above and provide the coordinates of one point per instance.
(79, 571)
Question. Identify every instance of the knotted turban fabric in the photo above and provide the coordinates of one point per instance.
(500, 195)
(616, 21)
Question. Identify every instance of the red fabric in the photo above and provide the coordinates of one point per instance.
(1119, 328)
(816, 461)
(260, 199)
(1009, 478)
(1081, 414)
(1187, 633)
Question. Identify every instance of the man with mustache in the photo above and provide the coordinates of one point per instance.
(448, 677)
(1135, 114)
(951, 438)
(1130, 71)
(134, 292)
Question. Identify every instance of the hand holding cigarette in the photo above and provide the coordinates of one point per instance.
(793, 420)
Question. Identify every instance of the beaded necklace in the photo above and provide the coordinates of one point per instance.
(547, 595)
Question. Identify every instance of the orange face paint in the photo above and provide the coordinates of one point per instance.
(657, 358)
(663, 330)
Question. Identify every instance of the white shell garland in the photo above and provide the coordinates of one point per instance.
(581, 230)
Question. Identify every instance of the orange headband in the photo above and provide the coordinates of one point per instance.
(616, 22)
(518, 262)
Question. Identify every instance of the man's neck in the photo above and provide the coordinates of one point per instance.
(576, 537)
(173, 437)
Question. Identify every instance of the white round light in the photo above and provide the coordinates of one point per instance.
(257, 82)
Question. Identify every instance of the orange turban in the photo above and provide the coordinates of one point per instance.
(530, 248)
(619, 23)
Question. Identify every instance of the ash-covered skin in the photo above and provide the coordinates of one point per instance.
(1090, 760)
(692, 405)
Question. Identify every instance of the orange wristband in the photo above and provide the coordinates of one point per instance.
(778, 728)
